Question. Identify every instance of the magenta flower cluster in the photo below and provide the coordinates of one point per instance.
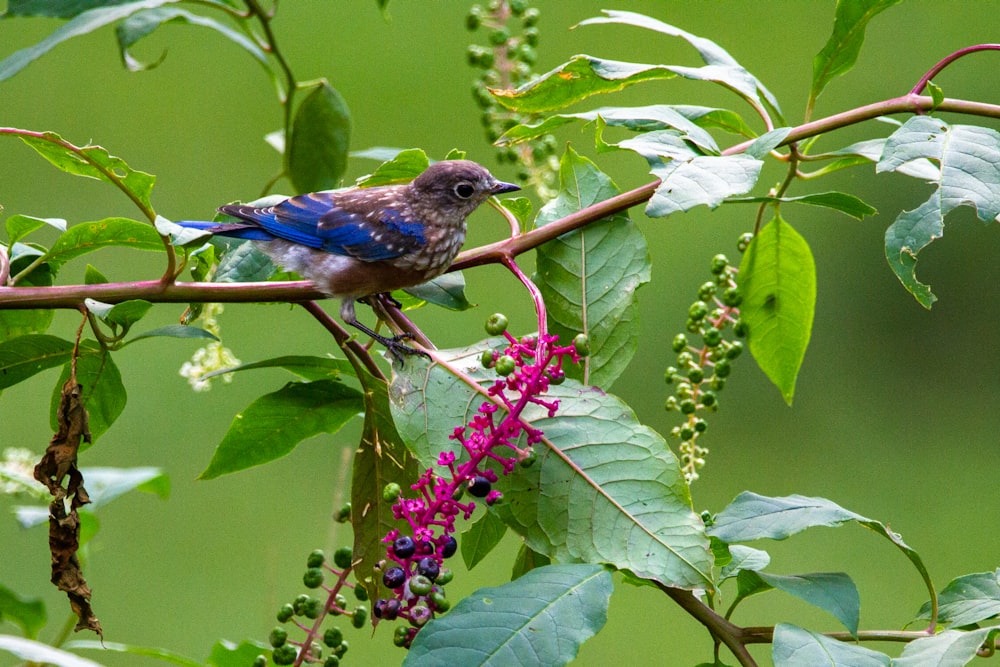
(414, 567)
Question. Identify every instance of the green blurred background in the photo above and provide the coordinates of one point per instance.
(896, 411)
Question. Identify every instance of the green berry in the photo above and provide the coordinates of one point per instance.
(474, 18)
(278, 636)
(518, 7)
(696, 374)
(670, 375)
(723, 368)
(488, 360)
(670, 404)
(343, 557)
(685, 359)
(680, 342)
(259, 661)
(496, 324)
(688, 406)
(343, 515)
(445, 576)
(401, 636)
(391, 492)
(529, 460)
(420, 585)
(440, 601)
(706, 291)
(316, 558)
(708, 399)
(732, 297)
(734, 350)
(313, 578)
(530, 36)
(556, 376)
(698, 310)
(331, 661)
(499, 36)
(285, 613)
(340, 650)
(529, 341)
(527, 54)
(530, 17)
(333, 637)
(506, 365)
(312, 608)
(581, 343)
(719, 264)
(700, 425)
(712, 336)
(741, 329)
(361, 593)
(360, 617)
(284, 655)
(687, 433)
(744, 241)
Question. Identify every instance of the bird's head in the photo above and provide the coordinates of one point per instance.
(458, 185)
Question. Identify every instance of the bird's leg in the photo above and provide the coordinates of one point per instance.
(387, 298)
(394, 344)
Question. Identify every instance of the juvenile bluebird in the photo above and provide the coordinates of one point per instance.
(361, 242)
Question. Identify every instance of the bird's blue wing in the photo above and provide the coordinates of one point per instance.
(368, 225)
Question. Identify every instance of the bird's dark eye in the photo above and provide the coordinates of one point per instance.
(464, 190)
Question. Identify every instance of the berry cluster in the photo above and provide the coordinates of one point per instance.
(507, 62)
(307, 608)
(701, 370)
(413, 568)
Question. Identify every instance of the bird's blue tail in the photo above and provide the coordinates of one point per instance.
(234, 230)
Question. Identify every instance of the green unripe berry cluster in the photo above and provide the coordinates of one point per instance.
(704, 358)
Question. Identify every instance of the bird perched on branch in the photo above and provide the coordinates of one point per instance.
(365, 241)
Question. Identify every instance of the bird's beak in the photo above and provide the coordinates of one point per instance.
(500, 187)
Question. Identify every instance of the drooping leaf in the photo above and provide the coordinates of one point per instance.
(970, 176)
(321, 132)
(92, 161)
(950, 648)
(90, 236)
(275, 423)
(576, 80)
(178, 235)
(42, 654)
(447, 291)
(308, 367)
(841, 50)
(589, 277)
(720, 67)
(797, 647)
(767, 142)
(103, 393)
(107, 484)
(81, 24)
(29, 613)
(778, 280)
(382, 458)
(570, 505)
(541, 618)
(19, 226)
(833, 592)
(480, 538)
(174, 331)
(968, 599)
(143, 23)
(24, 356)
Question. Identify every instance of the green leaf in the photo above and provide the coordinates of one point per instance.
(123, 314)
(228, 654)
(570, 505)
(180, 236)
(174, 331)
(778, 280)
(767, 142)
(308, 367)
(721, 67)
(243, 263)
(14, 323)
(970, 176)
(937, 95)
(82, 24)
(104, 394)
(839, 201)
(967, 599)
(90, 236)
(589, 276)
(541, 618)
(527, 559)
(480, 538)
(870, 150)
(19, 226)
(841, 50)
(743, 558)
(796, 647)
(160, 654)
(107, 484)
(834, 592)
(520, 207)
(321, 132)
(29, 613)
(950, 648)
(703, 180)
(447, 291)
(93, 276)
(141, 24)
(63, 9)
(404, 166)
(37, 652)
(381, 459)
(576, 80)
(275, 423)
(24, 356)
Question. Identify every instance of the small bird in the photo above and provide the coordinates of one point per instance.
(361, 242)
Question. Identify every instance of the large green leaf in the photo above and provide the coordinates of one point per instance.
(834, 592)
(381, 459)
(92, 162)
(605, 489)
(841, 50)
(970, 176)
(702, 180)
(81, 24)
(29, 613)
(720, 67)
(141, 24)
(275, 423)
(104, 394)
(968, 599)
(24, 356)
(541, 618)
(950, 648)
(589, 277)
(321, 132)
(19, 226)
(778, 279)
(90, 236)
(796, 647)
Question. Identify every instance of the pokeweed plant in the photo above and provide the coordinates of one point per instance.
(523, 424)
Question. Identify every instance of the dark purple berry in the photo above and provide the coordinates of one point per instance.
(378, 607)
(428, 567)
(479, 486)
(390, 610)
(449, 547)
(394, 577)
(404, 547)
